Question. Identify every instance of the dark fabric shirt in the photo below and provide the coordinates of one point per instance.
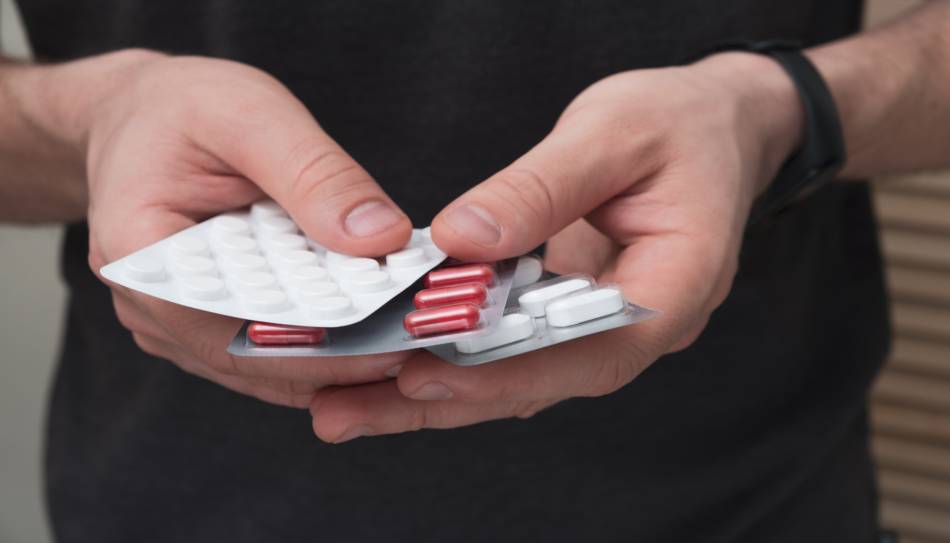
(755, 433)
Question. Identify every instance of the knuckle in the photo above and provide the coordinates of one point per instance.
(526, 410)
(612, 374)
(316, 168)
(146, 345)
(534, 195)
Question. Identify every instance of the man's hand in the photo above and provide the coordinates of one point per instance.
(175, 140)
(646, 181)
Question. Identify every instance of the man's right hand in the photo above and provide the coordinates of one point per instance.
(170, 141)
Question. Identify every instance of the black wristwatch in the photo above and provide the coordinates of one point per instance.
(822, 153)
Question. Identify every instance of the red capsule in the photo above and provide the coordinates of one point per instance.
(469, 293)
(263, 333)
(439, 320)
(457, 275)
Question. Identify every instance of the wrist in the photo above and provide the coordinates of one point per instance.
(771, 113)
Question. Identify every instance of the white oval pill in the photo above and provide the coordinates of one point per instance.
(204, 288)
(331, 307)
(306, 273)
(287, 242)
(369, 281)
(189, 246)
(256, 280)
(266, 300)
(309, 293)
(584, 307)
(145, 269)
(195, 265)
(266, 208)
(277, 225)
(407, 258)
(534, 302)
(529, 270)
(239, 262)
(227, 224)
(354, 265)
(512, 328)
(235, 244)
(295, 258)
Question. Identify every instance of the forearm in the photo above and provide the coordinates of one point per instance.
(44, 118)
(892, 88)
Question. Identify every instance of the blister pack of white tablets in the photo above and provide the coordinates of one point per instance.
(545, 314)
(257, 265)
(461, 301)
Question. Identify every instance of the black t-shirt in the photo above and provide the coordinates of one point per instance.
(755, 433)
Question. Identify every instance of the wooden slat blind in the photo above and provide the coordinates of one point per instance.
(910, 409)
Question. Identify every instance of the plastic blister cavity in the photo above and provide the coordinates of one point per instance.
(257, 265)
(544, 314)
(386, 332)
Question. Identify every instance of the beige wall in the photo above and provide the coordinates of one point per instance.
(912, 403)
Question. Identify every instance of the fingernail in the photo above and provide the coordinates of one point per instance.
(475, 223)
(370, 218)
(393, 371)
(353, 433)
(432, 391)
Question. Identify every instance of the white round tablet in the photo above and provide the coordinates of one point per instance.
(195, 265)
(331, 307)
(239, 262)
(235, 244)
(287, 242)
(145, 269)
(306, 273)
(226, 224)
(187, 245)
(266, 300)
(255, 280)
(266, 208)
(277, 225)
(369, 281)
(204, 288)
(355, 265)
(308, 293)
(297, 257)
(414, 256)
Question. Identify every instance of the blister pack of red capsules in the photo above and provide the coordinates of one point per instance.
(546, 313)
(455, 302)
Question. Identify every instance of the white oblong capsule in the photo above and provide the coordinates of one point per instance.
(189, 246)
(534, 302)
(145, 269)
(369, 281)
(195, 265)
(204, 288)
(331, 307)
(584, 307)
(511, 329)
(227, 224)
(407, 258)
(529, 270)
(266, 301)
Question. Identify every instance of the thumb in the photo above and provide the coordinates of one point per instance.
(333, 199)
(563, 178)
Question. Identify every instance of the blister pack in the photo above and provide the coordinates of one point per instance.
(257, 265)
(456, 302)
(547, 313)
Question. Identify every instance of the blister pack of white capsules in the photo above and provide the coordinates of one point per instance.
(257, 265)
(457, 302)
(546, 313)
